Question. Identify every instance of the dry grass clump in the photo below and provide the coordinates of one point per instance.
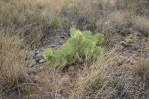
(25, 12)
(53, 83)
(120, 19)
(52, 6)
(111, 78)
(86, 84)
(143, 69)
(141, 24)
(12, 62)
(12, 13)
(96, 82)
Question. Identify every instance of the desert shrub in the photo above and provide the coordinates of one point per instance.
(81, 46)
(12, 62)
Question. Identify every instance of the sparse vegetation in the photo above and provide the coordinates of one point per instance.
(27, 27)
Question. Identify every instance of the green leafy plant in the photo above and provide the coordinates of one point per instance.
(81, 46)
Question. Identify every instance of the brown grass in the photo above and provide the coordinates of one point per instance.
(91, 83)
(143, 69)
(99, 12)
(54, 83)
(113, 77)
(12, 62)
(141, 24)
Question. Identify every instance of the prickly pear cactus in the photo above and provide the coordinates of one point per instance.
(82, 45)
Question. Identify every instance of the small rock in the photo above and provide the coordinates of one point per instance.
(13, 95)
(42, 61)
(38, 57)
(47, 97)
(116, 39)
(32, 72)
(33, 63)
(59, 96)
(129, 40)
(53, 46)
(62, 37)
(71, 68)
(124, 44)
(37, 52)
(147, 48)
